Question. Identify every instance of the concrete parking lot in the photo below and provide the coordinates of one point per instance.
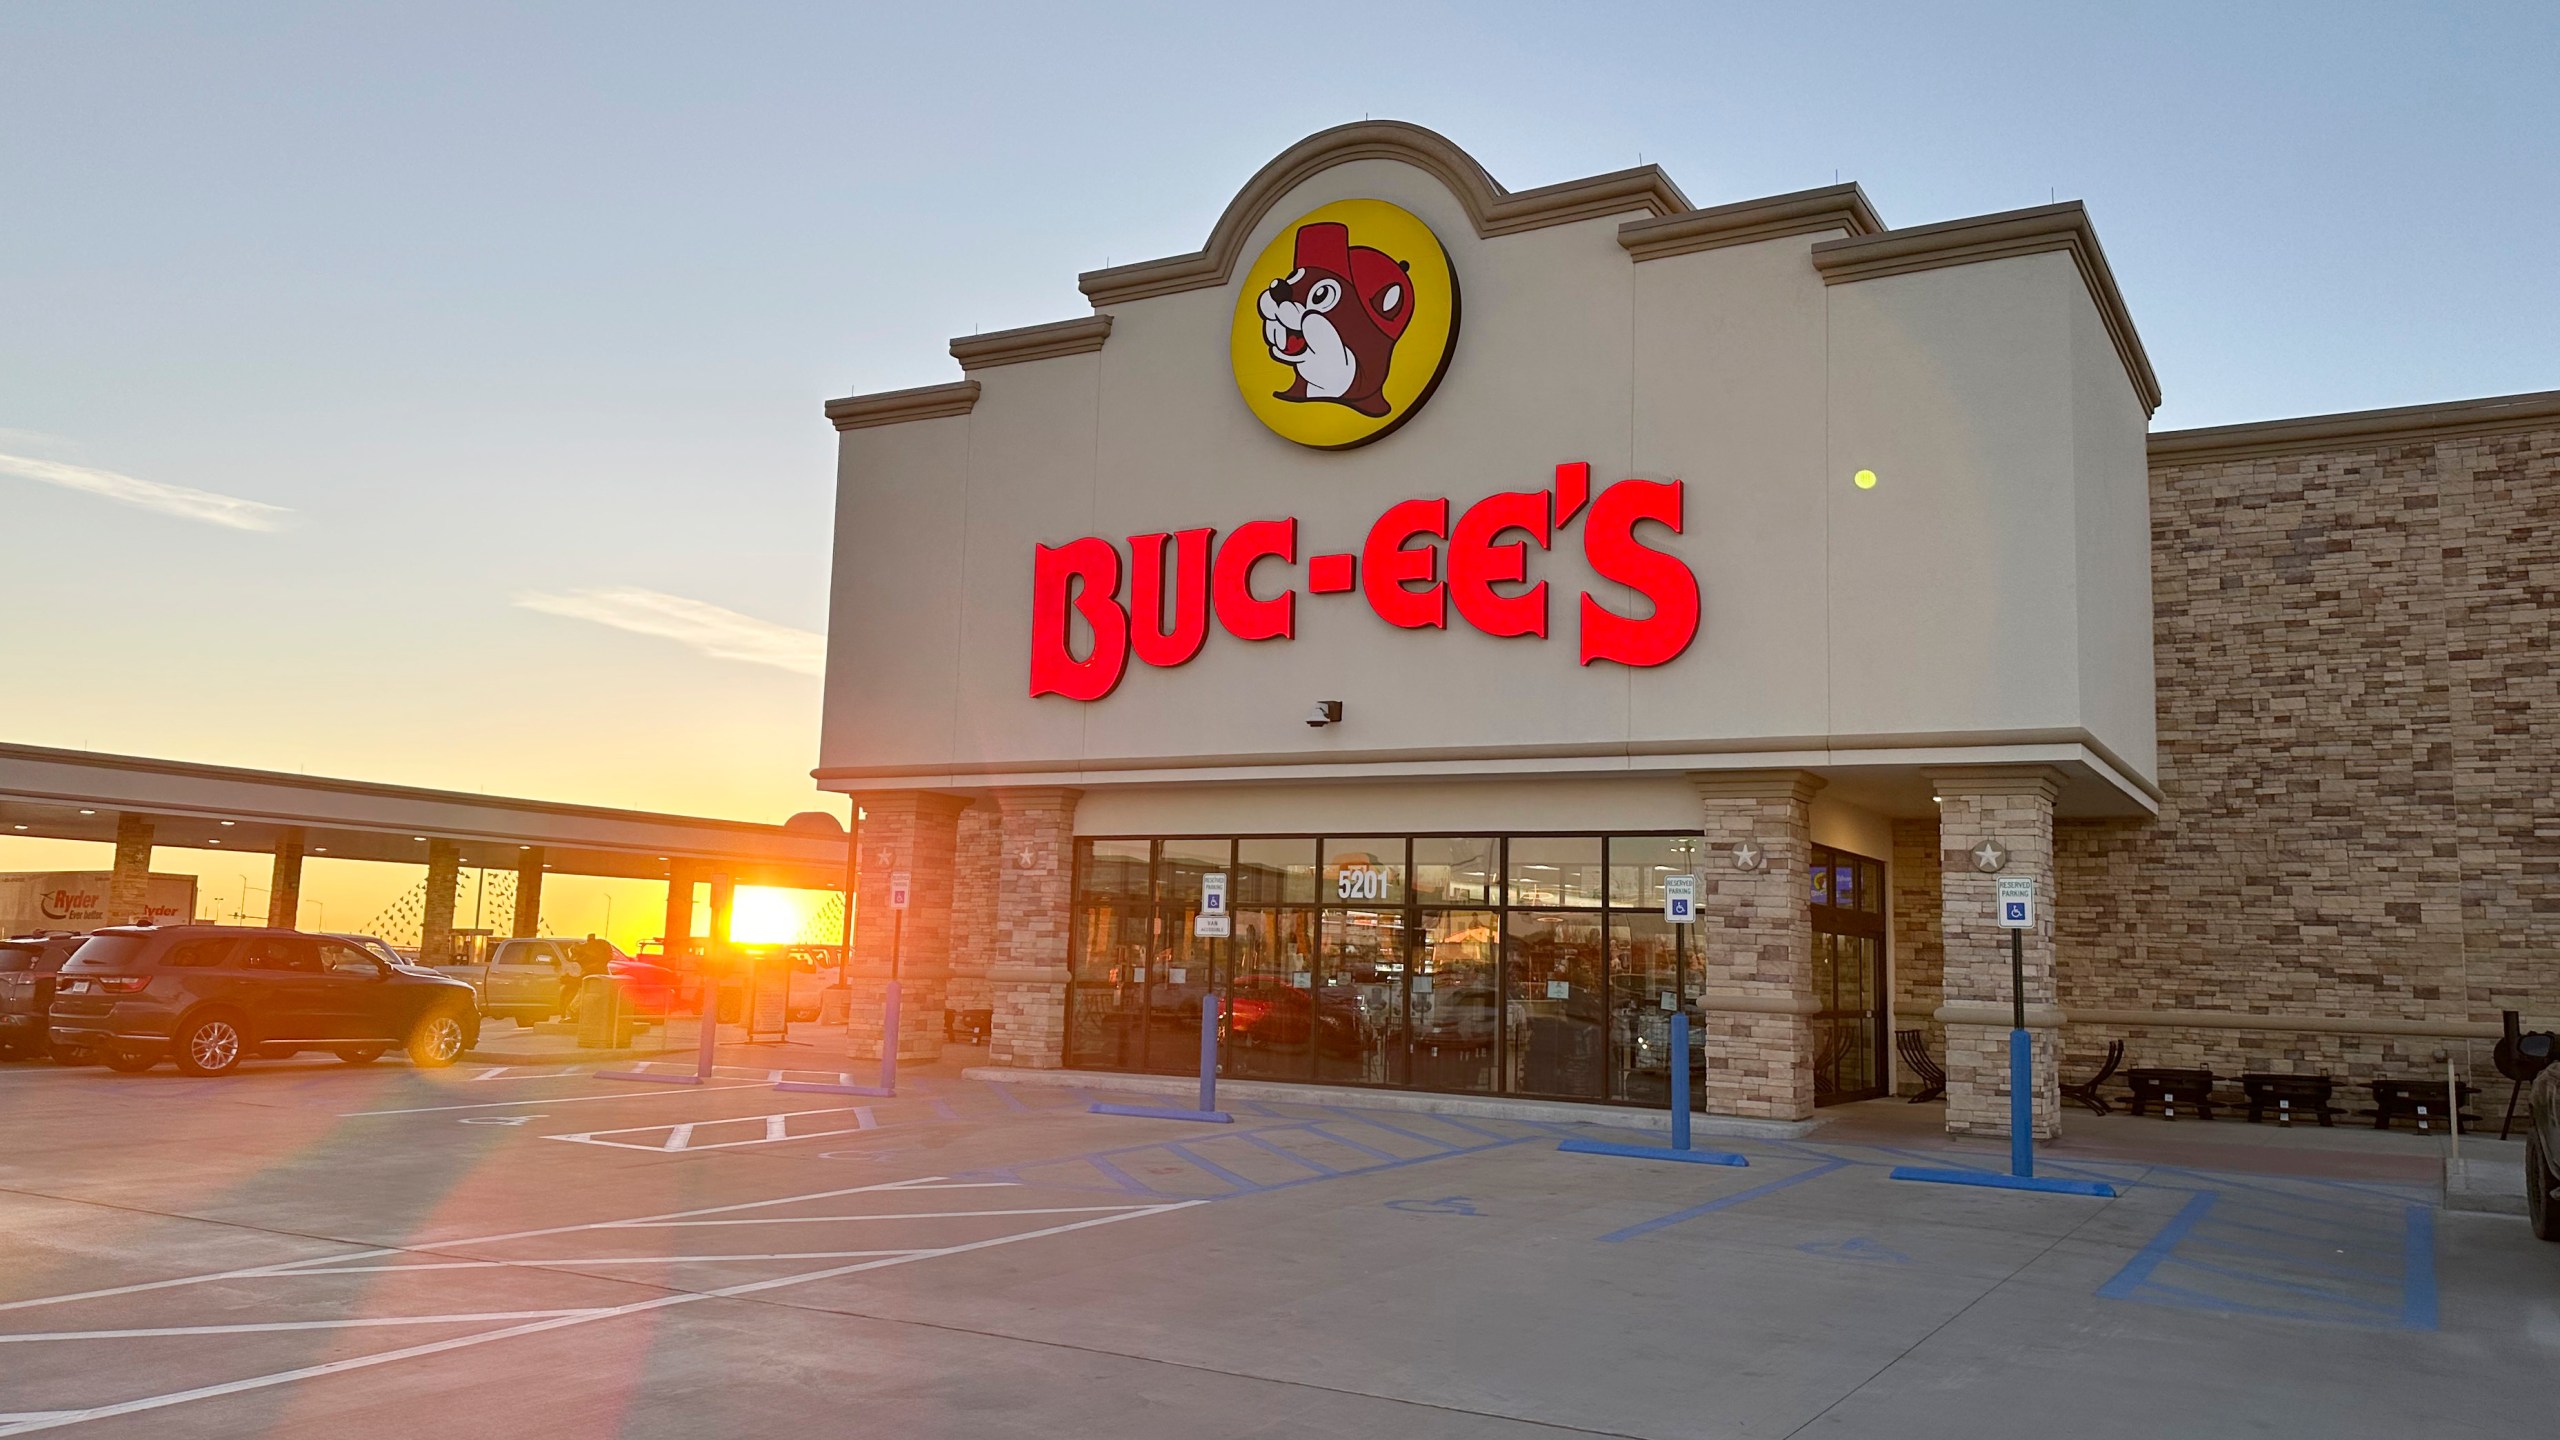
(307, 1249)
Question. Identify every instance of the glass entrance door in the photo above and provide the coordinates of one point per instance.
(1849, 1031)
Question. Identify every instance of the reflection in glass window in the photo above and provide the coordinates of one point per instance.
(1457, 871)
(1533, 965)
(1644, 993)
(1638, 863)
(1115, 867)
(1554, 1008)
(1271, 1003)
(1360, 997)
(1363, 871)
(1555, 870)
(1275, 872)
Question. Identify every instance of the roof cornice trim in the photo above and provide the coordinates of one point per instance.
(1803, 212)
(1976, 239)
(2359, 429)
(1492, 209)
(1031, 342)
(896, 407)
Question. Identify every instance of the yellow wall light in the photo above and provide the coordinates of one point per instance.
(1864, 479)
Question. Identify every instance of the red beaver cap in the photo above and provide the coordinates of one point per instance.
(1370, 273)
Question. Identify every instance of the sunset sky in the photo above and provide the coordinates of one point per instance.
(431, 394)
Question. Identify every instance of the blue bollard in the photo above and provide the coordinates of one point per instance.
(2022, 1105)
(1679, 1079)
(889, 1040)
(1209, 1052)
(1208, 1113)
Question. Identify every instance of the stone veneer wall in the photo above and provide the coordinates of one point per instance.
(1916, 953)
(973, 907)
(2356, 700)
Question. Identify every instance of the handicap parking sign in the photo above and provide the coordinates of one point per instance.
(1680, 899)
(2015, 902)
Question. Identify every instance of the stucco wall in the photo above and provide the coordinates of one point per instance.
(1944, 606)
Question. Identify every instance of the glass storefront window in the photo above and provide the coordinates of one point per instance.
(1275, 872)
(1457, 871)
(1552, 870)
(1115, 868)
(1644, 993)
(1638, 863)
(1271, 997)
(1552, 964)
(1535, 965)
(1366, 871)
(1111, 954)
(1455, 1000)
(1360, 997)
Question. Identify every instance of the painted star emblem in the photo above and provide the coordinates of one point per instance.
(1747, 856)
(1990, 857)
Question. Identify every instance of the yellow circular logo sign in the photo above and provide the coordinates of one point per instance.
(1347, 319)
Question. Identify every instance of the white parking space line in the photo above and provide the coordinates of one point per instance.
(274, 1326)
(555, 1100)
(841, 1219)
(762, 1130)
(58, 1419)
(288, 1267)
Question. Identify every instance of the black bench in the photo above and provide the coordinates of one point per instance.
(2396, 1099)
(2086, 1092)
(2288, 1096)
(1914, 1048)
(2171, 1090)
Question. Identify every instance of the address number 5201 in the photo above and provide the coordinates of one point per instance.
(1361, 884)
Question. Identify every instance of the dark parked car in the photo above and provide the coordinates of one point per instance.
(27, 967)
(210, 996)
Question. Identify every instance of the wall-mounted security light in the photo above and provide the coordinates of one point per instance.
(1326, 712)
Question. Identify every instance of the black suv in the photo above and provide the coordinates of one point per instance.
(210, 996)
(27, 966)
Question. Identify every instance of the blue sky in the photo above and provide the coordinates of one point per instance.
(507, 319)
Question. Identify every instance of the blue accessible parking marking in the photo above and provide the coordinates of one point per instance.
(2344, 1257)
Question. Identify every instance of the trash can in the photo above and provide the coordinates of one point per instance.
(835, 1005)
(604, 1021)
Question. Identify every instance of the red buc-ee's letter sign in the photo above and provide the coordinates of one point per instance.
(1402, 580)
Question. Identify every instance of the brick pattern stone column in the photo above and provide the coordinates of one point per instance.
(444, 877)
(2013, 808)
(974, 889)
(1754, 937)
(918, 832)
(528, 916)
(129, 886)
(1919, 961)
(284, 882)
(1028, 980)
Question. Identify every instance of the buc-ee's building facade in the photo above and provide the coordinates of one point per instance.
(1459, 577)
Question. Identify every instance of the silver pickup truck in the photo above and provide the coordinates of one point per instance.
(528, 981)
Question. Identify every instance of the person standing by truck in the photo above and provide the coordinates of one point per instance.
(591, 956)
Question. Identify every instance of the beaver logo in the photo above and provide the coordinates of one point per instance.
(1345, 324)
(1336, 319)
